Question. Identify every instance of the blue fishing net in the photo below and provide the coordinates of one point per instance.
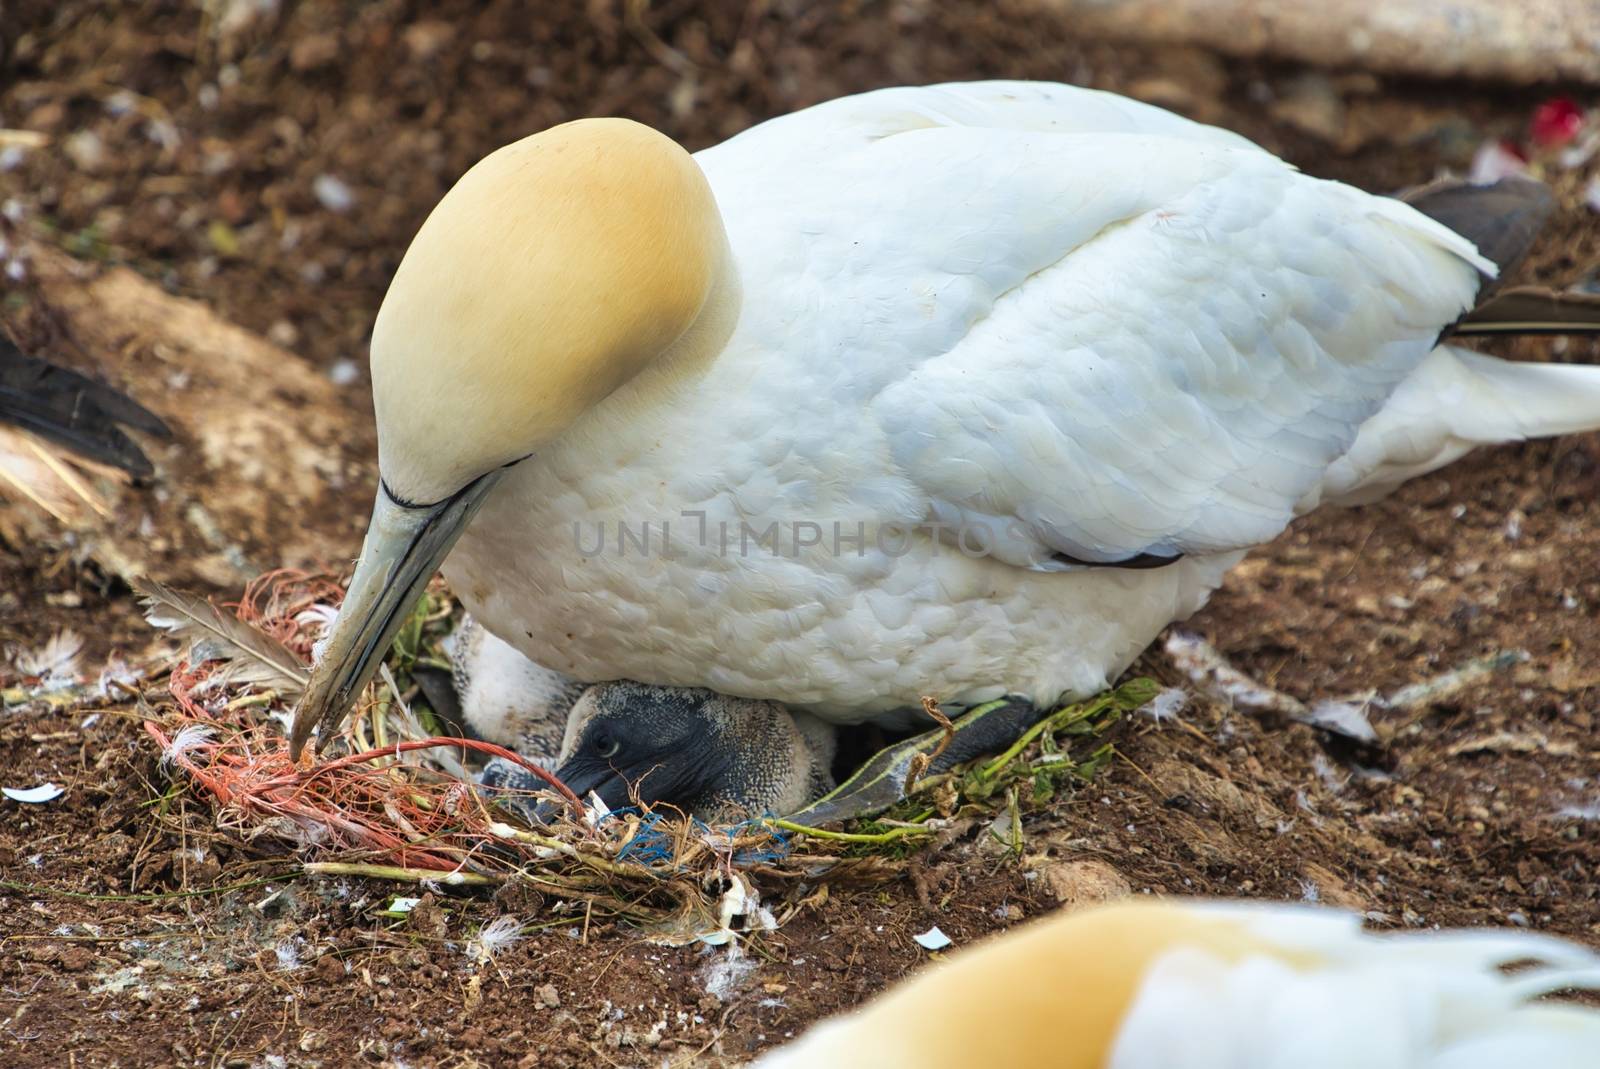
(654, 843)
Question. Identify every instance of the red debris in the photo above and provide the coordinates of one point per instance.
(1555, 122)
(367, 801)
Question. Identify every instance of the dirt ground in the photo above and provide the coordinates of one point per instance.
(273, 159)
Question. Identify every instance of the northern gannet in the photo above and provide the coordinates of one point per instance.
(1194, 984)
(713, 756)
(958, 391)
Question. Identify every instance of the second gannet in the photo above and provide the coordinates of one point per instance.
(49, 413)
(1197, 984)
(956, 392)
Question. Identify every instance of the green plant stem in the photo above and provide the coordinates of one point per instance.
(846, 836)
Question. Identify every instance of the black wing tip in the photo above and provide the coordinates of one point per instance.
(75, 411)
(1534, 310)
(1502, 218)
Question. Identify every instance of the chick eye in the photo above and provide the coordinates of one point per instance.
(605, 745)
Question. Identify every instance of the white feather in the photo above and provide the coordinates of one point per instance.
(1404, 1000)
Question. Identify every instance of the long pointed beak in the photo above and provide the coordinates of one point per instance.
(404, 546)
(609, 784)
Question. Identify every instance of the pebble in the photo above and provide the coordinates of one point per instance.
(1086, 881)
(332, 193)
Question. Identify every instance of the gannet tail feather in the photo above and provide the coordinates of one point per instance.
(1503, 219)
(1533, 310)
(1455, 401)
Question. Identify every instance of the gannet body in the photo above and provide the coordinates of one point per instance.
(951, 391)
(1195, 984)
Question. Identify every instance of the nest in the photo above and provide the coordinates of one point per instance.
(395, 799)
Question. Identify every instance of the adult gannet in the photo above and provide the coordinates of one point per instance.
(1192, 984)
(956, 391)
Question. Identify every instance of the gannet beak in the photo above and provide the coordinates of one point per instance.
(612, 786)
(405, 544)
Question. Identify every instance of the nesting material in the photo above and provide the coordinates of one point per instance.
(391, 798)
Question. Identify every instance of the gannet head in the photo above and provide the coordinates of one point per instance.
(556, 269)
(707, 754)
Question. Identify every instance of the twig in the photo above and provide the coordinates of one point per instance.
(921, 761)
(397, 872)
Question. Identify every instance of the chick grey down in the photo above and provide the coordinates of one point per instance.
(628, 743)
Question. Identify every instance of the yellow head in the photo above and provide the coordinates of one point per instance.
(554, 271)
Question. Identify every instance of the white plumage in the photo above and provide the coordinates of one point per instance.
(959, 344)
(1191, 984)
(1081, 324)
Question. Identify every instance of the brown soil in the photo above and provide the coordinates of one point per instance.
(1479, 809)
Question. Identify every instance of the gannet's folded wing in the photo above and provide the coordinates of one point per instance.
(1121, 348)
(812, 136)
(1099, 330)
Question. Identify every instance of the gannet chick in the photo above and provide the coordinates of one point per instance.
(715, 757)
(507, 699)
(1191, 984)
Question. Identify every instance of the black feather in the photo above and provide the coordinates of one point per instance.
(1501, 218)
(1534, 310)
(74, 411)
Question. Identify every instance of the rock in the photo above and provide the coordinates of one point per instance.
(1322, 885)
(74, 959)
(429, 918)
(1311, 102)
(1084, 882)
(425, 39)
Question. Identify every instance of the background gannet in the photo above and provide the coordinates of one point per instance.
(43, 406)
(1191, 984)
(1108, 348)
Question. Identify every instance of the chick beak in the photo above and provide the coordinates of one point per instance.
(405, 544)
(582, 777)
